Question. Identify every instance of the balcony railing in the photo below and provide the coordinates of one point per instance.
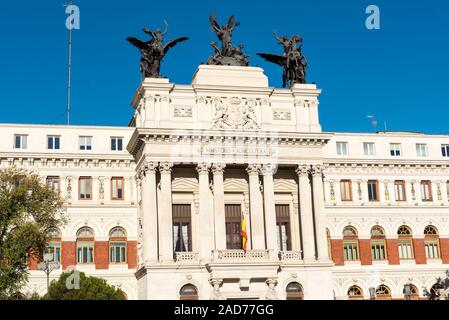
(290, 256)
(241, 255)
(186, 257)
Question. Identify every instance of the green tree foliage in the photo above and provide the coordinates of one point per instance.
(90, 288)
(28, 210)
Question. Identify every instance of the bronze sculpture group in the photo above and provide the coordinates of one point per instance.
(292, 60)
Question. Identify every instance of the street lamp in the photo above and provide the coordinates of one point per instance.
(407, 291)
(372, 293)
(48, 265)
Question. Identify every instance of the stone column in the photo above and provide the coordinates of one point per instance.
(256, 208)
(206, 230)
(165, 216)
(269, 206)
(219, 206)
(147, 176)
(320, 217)
(305, 208)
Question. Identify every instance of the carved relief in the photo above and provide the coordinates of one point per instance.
(332, 190)
(282, 114)
(101, 187)
(234, 113)
(69, 188)
(182, 111)
(387, 192)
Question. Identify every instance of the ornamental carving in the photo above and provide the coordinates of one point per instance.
(165, 167)
(234, 113)
(69, 188)
(253, 169)
(268, 169)
(101, 187)
(182, 112)
(332, 190)
(387, 192)
(317, 170)
(203, 168)
(218, 168)
(302, 170)
(280, 114)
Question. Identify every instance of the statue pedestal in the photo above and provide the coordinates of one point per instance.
(230, 76)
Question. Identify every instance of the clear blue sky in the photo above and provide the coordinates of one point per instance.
(400, 72)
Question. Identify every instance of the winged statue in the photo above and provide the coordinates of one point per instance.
(227, 54)
(153, 51)
(292, 61)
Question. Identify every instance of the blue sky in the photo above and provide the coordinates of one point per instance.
(399, 73)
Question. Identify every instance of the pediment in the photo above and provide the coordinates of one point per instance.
(185, 184)
(285, 185)
(238, 185)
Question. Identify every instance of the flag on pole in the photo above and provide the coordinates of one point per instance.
(243, 233)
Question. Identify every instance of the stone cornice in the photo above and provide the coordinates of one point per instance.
(373, 166)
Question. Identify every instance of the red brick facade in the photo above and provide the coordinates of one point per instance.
(101, 255)
(337, 252)
(68, 254)
(365, 251)
(418, 248)
(444, 247)
(132, 254)
(392, 251)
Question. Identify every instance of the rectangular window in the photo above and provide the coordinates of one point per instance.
(283, 226)
(426, 190)
(85, 143)
(182, 232)
(373, 190)
(342, 148)
(85, 188)
(405, 249)
(85, 252)
(53, 142)
(395, 149)
(20, 141)
(378, 252)
(432, 249)
(346, 190)
(53, 183)
(351, 250)
(116, 143)
(445, 150)
(233, 220)
(421, 150)
(368, 148)
(399, 190)
(54, 247)
(117, 185)
(117, 252)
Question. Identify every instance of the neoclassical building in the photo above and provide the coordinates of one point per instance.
(157, 207)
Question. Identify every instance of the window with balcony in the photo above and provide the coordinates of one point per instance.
(405, 243)
(53, 183)
(117, 184)
(20, 141)
(431, 242)
(350, 244)
(445, 150)
(85, 188)
(368, 149)
(182, 233)
(116, 143)
(421, 150)
(426, 190)
(85, 143)
(399, 190)
(346, 190)
(283, 227)
(373, 190)
(233, 220)
(53, 142)
(395, 149)
(378, 246)
(342, 148)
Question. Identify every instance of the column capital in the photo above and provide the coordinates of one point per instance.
(218, 168)
(165, 167)
(317, 170)
(253, 169)
(302, 170)
(203, 168)
(268, 169)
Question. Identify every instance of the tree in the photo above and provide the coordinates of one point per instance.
(28, 210)
(90, 288)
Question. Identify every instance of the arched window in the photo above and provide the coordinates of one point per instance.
(117, 245)
(431, 242)
(54, 244)
(414, 294)
(355, 293)
(405, 243)
(378, 246)
(383, 292)
(350, 244)
(85, 244)
(329, 244)
(188, 292)
(294, 291)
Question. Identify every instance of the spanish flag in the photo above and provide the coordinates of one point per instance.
(243, 233)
